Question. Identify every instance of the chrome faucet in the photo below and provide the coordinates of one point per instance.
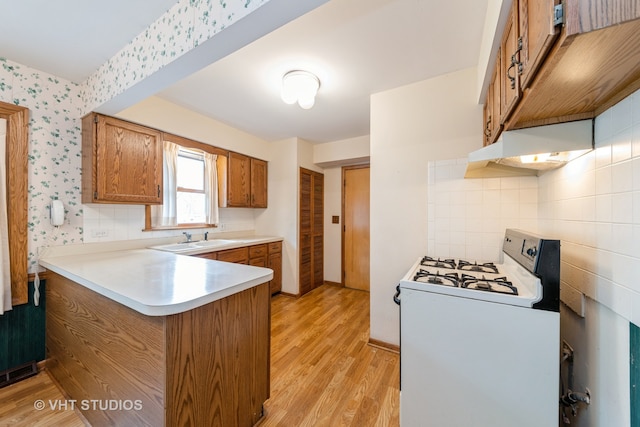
(206, 235)
(187, 236)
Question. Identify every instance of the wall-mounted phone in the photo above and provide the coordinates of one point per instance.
(57, 213)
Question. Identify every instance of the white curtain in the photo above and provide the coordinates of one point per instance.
(167, 213)
(5, 273)
(211, 187)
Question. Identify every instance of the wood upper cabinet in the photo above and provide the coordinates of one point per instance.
(510, 80)
(493, 107)
(247, 181)
(121, 162)
(554, 72)
(537, 32)
(258, 183)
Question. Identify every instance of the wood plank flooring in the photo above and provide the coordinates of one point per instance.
(323, 372)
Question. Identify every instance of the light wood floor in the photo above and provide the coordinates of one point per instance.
(323, 372)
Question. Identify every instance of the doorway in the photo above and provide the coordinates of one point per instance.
(355, 230)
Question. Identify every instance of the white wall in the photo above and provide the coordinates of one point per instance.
(344, 152)
(333, 232)
(281, 217)
(435, 119)
(332, 156)
(593, 206)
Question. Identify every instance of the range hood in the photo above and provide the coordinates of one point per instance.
(531, 151)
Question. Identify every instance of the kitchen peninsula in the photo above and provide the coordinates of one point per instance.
(155, 338)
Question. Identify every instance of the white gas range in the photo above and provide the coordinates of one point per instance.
(479, 342)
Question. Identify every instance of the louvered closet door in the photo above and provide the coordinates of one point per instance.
(311, 230)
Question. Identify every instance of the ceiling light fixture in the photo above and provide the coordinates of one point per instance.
(300, 86)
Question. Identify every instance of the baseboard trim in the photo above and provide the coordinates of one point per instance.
(384, 346)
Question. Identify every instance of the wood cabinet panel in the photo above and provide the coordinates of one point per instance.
(247, 181)
(17, 161)
(510, 81)
(588, 15)
(239, 182)
(206, 366)
(222, 381)
(122, 162)
(259, 193)
(275, 263)
(569, 72)
(99, 349)
(238, 255)
(537, 33)
(257, 251)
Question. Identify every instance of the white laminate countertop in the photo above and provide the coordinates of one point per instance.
(157, 283)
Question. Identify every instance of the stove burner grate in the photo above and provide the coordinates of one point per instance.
(447, 279)
(487, 267)
(499, 284)
(448, 263)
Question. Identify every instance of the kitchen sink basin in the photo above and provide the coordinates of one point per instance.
(213, 243)
(203, 244)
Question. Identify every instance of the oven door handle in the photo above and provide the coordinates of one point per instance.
(396, 297)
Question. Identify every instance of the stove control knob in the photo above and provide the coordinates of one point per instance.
(532, 251)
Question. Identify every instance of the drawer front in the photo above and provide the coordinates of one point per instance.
(275, 247)
(257, 251)
(239, 255)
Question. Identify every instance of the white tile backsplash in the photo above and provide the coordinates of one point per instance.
(468, 216)
(592, 204)
(107, 223)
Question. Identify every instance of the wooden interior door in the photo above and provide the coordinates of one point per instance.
(311, 230)
(355, 202)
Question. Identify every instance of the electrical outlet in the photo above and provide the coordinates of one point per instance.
(98, 233)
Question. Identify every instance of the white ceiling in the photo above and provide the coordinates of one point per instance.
(355, 47)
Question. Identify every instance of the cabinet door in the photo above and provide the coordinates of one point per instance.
(239, 180)
(128, 163)
(510, 87)
(496, 100)
(258, 183)
(537, 33)
(275, 263)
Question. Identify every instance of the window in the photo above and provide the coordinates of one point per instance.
(190, 198)
(190, 186)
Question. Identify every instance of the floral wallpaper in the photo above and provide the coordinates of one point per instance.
(54, 151)
(182, 28)
(57, 105)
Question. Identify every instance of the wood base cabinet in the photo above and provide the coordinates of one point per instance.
(205, 367)
(274, 262)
